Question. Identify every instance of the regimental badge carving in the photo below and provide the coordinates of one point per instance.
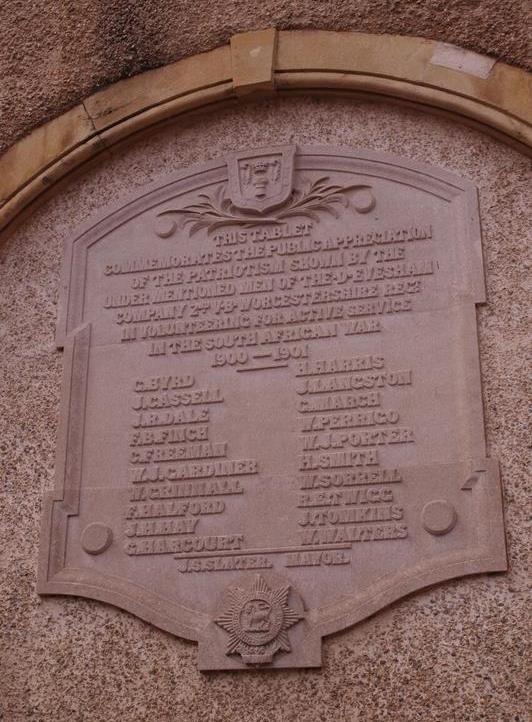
(257, 619)
(260, 190)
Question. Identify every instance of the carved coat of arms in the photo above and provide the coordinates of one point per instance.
(260, 189)
(261, 182)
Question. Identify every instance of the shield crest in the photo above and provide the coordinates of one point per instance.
(263, 180)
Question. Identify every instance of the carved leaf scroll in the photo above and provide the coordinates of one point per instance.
(319, 196)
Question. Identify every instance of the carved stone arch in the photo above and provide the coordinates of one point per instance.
(431, 76)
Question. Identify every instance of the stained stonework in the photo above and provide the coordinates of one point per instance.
(436, 77)
(82, 45)
(451, 652)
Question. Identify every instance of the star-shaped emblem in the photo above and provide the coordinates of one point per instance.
(257, 619)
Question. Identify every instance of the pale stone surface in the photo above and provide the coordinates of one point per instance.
(449, 56)
(453, 652)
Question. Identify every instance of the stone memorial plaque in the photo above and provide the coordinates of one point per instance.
(272, 419)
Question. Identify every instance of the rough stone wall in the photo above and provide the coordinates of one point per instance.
(53, 53)
(452, 653)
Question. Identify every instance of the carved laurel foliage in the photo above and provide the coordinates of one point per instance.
(319, 196)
